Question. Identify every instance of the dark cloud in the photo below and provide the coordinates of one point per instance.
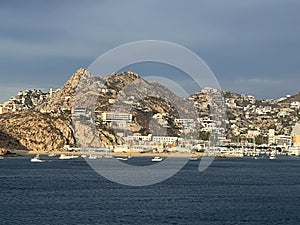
(242, 41)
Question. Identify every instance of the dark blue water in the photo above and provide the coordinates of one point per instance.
(230, 191)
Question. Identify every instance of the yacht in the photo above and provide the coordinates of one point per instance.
(156, 159)
(36, 159)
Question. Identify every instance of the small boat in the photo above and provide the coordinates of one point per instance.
(83, 156)
(1, 157)
(36, 159)
(107, 156)
(52, 155)
(272, 156)
(122, 158)
(93, 156)
(65, 157)
(156, 159)
(193, 158)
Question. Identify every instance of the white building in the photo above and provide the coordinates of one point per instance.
(295, 104)
(279, 140)
(164, 139)
(140, 138)
(116, 117)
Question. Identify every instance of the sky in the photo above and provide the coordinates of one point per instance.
(252, 46)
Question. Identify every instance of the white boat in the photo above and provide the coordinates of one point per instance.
(83, 156)
(107, 156)
(122, 158)
(193, 158)
(1, 157)
(272, 156)
(93, 156)
(156, 159)
(36, 159)
(65, 157)
(52, 155)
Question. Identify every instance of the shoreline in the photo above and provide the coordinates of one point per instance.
(122, 154)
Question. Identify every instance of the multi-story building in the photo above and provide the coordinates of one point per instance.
(116, 117)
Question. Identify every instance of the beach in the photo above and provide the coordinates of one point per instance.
(123, 154)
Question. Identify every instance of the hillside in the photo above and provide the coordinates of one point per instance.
(49, 127)
(35, 131)
(293, 98)
(153, 109)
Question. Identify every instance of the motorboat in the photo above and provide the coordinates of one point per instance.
(36, 159)
(272, 156)
(65, 157)
(93, 156)
(157, 159)
(122, 158)
(193, 158)
(52, 155)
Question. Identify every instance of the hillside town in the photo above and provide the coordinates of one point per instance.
(249, 125)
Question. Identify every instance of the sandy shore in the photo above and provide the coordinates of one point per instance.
(119, 154)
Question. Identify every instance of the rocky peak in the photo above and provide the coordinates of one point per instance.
(62, 99)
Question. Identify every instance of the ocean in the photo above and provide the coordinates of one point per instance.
(230, 191)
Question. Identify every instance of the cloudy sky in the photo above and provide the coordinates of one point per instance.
(252, 46)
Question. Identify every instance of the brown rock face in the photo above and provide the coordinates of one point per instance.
(35, 131)
(62, 99)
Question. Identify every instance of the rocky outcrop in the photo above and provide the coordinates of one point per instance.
(9, 142)
(35, 131)
(62, 99)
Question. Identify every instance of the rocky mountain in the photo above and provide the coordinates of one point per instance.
(49, 125)
(151, 109)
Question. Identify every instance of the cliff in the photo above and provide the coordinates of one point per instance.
(35, 131)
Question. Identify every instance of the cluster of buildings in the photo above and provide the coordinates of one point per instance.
(237, 119)
(247, 121)
(24, 100)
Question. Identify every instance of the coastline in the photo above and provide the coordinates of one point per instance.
(122, 154)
